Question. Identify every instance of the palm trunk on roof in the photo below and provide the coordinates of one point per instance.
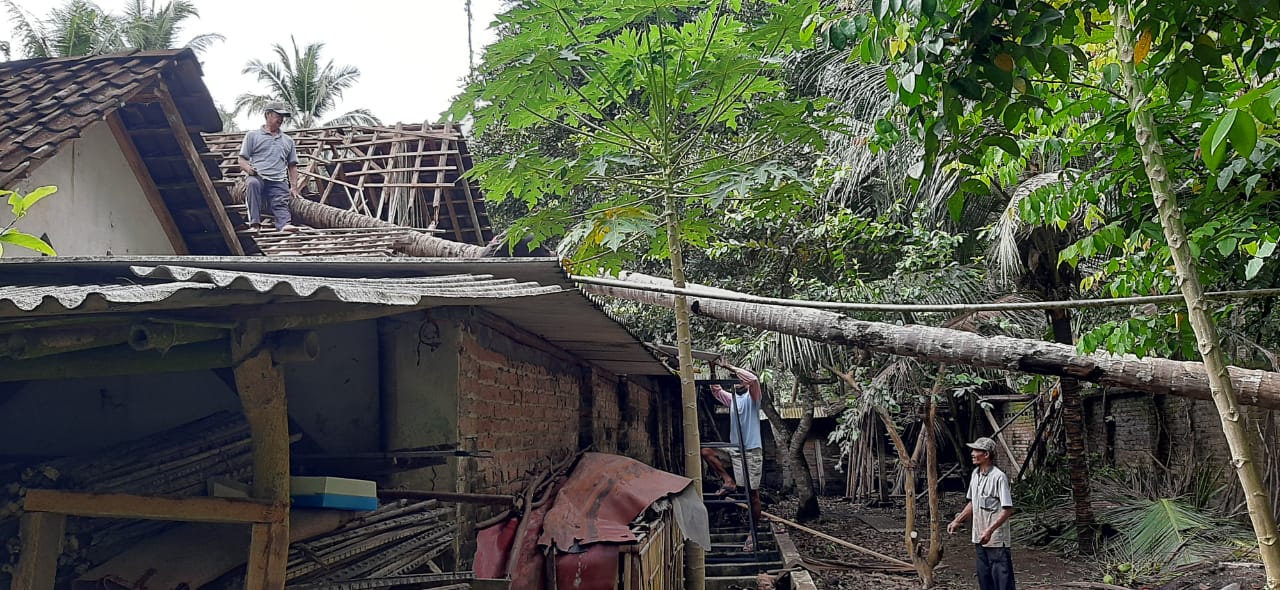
(942, 345)
(414, 243)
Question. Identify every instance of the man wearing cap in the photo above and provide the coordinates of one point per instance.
(270, 160)
(990, 505)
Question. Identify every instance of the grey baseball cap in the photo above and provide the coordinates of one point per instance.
(984, 444)
(278, 108)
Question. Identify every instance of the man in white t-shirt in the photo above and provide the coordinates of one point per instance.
(744, 405)
(990, 505)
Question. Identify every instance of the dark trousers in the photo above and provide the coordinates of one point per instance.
(272, 193)
(995, 568)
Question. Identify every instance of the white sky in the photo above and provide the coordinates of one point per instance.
(411, 54)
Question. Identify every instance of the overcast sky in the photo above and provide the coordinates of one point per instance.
(412, 54)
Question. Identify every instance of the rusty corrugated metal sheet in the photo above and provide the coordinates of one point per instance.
(604, 494)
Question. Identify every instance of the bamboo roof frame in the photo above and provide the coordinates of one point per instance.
(410, 174)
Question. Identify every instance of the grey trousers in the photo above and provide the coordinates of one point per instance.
(275, 194)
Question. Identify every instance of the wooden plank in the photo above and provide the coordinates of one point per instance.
(471, 203)
(180, 508)
(196, 164)
(260, 383)
(41, 535)
(267, 566)
(148, 185)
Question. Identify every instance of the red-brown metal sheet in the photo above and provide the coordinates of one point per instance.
(604, 494)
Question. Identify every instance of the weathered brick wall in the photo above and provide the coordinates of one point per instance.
(533, 406)
(520, 402)
(1018, 434)
(1138, 429)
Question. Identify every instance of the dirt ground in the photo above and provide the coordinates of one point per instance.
(1034, 569)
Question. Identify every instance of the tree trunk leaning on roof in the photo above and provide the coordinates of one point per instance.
(1215, 366)
(942, 345)
(414, 244)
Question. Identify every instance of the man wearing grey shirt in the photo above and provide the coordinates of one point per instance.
(990, 505)
(270, 159)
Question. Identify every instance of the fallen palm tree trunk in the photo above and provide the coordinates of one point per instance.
(413, 244)
(943, 345)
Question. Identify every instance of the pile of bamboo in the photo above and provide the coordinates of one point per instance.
(396, 545)
(179, 461)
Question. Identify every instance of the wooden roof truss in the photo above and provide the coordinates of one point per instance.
(409, 174)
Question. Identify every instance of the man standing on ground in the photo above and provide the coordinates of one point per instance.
(990, 505)
(745, 429)
(270, 160)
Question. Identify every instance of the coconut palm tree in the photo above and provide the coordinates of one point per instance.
(77, 27)
(310, 88)
(80, 27)
(144, 26)
(1021, 258)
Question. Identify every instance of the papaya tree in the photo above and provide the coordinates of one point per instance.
(675, 115)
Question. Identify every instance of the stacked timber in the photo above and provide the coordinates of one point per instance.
(176, 462)
(397, 545)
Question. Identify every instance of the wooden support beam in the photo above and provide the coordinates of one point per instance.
(179, 508)
(123, 359)
(41, 535)
(196, 162)
(149, 189)
(260, 383)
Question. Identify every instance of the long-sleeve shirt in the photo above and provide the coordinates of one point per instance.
(747, 407)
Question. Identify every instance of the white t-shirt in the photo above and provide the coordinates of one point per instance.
(990, 495)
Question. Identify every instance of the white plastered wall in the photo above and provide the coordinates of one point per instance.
(99, 209)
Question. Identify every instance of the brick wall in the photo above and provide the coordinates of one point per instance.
(533, 406)
(1138, 429)
(523, 407)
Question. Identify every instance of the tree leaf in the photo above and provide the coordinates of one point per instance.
(34, 196)
(967, 88)
(1252, 267)
(1244, 134)
(1060, 64)
(1263, 111)
(1005, 143)
(1266, 249)
(27, 241)
(1221, 128)
(955, 205)
(1226, 246)
(1142, 47)
(1035, 37)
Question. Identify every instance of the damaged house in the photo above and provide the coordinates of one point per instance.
(165, 375)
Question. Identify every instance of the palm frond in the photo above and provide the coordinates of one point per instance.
(355, 117)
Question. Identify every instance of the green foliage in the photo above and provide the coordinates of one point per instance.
(305, 82)
(19, 205)
(667, 99)
(999, 91)
(81, 27)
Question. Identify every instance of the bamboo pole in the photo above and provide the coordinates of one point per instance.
(1215, 366)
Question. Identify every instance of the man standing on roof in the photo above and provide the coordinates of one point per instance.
(270, 160)
(990, 505)
(745, 429)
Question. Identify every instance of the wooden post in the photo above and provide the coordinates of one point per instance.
(41, 534)
(260, 383)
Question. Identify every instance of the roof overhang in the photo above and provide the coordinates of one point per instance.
(533, 294)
